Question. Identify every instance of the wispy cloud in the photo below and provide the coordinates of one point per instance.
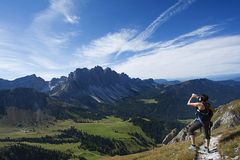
(170, 12)
(141, 38)
(40, 43)
(108, 44)
(103, 51)
(44, 25)
(216, 55)
(127, 40)
(190, 37)
(64, 7)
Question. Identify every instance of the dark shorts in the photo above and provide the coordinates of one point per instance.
(197, 125)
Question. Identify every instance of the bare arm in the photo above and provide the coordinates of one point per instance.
(189, 103)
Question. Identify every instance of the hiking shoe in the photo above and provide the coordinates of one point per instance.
(192, 147)
(204, 149)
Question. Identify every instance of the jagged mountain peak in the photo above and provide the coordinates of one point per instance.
(105, 85)
(98, 76)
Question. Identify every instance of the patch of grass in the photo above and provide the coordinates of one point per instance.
(230, 142)
(4, 144)
(185, 121)
(149, 101)
(110, 127)
(177, 151)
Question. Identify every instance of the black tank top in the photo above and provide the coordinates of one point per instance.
(204, 115)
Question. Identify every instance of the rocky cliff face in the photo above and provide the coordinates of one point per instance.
(180, 136)
(99, 85)
(56, 82)
(170, 136)
(227, 116)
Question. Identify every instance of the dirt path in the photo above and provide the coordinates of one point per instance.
(214, 154)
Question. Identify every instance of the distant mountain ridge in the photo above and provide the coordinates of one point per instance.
(237, 79)
(166, 82)
(31, 81)
(224, 77)
(169, 102)
(38, 83)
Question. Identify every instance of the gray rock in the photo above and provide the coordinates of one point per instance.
(170, 136)
(182, 135)
(230, 118)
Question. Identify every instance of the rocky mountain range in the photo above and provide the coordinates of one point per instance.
(99, 85)
(121, 95)
(84, 85)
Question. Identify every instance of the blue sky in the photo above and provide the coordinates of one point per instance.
(171, 39)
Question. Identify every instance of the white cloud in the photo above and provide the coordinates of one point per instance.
(45, 25)
(162, 18)
(41, 47)
(127, 40)
(64, 7)
(211, 56)
(44, 62)
(105, 50)
(108, 44)
(184, 39)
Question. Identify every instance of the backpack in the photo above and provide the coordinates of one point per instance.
(206, 114)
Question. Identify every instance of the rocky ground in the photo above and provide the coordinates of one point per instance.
(214, 154)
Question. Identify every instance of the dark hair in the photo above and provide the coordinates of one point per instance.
(203, 98)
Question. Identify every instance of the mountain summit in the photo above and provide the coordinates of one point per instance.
(99, 85)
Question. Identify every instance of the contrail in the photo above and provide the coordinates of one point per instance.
(170, 12)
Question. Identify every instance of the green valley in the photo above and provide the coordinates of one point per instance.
(116, 133)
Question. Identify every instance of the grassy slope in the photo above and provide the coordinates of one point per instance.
(233, 106)
(109, 127)
(178, 151)
(229, 141)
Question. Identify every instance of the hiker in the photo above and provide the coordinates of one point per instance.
(204, 113)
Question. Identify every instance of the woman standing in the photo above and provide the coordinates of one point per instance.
(204, 114)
